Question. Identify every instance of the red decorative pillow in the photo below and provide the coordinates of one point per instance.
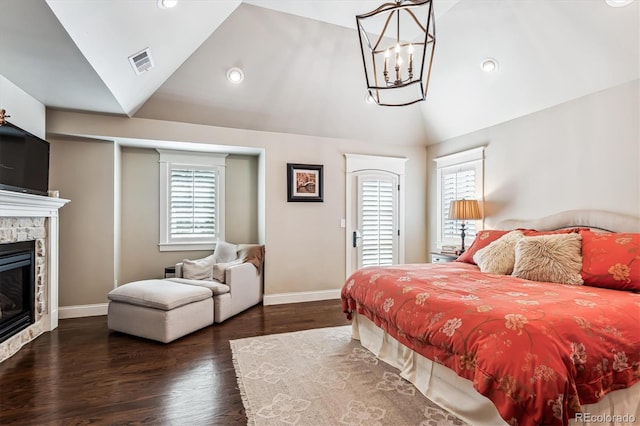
(483, 239)
(611, 260)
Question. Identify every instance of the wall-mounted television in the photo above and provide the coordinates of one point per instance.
(24, 161)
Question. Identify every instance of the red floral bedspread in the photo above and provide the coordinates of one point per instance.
(537, 350)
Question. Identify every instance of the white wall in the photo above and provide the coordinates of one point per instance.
(139, 256)
(83, 170)
(241, 199)
(583, 154)
(305, 246)
(25, 111)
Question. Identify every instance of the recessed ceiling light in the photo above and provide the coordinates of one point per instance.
(489, 65)
(618, 3)
(167, 4)
(235, 75)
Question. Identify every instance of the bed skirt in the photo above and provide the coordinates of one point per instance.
(457, 395)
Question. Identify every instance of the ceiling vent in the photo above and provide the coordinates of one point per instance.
(141, 61)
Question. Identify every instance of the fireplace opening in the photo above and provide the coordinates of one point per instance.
(17, 287)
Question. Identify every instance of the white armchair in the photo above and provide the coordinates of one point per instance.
(242, 287)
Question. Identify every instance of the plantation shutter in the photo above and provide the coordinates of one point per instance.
(192, 202)
(378, 204)
(457, 183)
(459, 175)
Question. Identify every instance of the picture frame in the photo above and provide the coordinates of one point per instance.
(304, 183)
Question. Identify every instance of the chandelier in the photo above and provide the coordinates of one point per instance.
(397, 41)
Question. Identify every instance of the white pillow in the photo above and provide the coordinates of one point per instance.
(225, 252)
(200, 269)
(220, 269)
(499, 256)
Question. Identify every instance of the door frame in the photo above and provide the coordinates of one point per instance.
(360, 163)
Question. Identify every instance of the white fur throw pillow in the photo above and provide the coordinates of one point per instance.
(499, 256)
(550, 258)
(220, 269)
(225, 252)
(200, 269)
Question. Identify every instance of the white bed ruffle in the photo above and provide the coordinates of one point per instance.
(457, 395)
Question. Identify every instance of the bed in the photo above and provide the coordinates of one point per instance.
(523, 349)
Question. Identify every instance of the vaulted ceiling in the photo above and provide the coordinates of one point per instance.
(302, 64)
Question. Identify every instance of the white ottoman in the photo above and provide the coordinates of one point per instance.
(159, 310)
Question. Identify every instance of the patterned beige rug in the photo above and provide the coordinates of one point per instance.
(323, 377)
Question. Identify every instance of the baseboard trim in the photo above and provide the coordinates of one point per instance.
(81, 311)
(302, 296)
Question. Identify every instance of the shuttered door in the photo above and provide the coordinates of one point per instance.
(193, 203)
(377, 217)
(457, 183)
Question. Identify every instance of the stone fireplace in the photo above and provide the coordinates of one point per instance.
(33, 221)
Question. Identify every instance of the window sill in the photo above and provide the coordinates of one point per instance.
(186, 246)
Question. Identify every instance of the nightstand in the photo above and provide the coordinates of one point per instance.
(437, 257)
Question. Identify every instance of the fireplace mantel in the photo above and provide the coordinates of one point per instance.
(18, 204)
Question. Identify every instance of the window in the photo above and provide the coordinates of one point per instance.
(191, 200)
(459, 176)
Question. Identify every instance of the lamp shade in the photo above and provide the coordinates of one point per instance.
(464, 210)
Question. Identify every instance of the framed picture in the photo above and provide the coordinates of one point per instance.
(304, 182)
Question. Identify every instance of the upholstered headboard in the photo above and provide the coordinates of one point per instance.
(596, 219)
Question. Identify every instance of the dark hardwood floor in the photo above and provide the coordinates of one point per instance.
(83, 373)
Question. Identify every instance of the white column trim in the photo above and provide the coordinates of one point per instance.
(53, 236)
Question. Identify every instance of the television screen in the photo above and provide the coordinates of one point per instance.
(24, 161)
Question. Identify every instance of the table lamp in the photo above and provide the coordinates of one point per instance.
(464, 210)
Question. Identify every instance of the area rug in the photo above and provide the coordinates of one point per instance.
(323, 377)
